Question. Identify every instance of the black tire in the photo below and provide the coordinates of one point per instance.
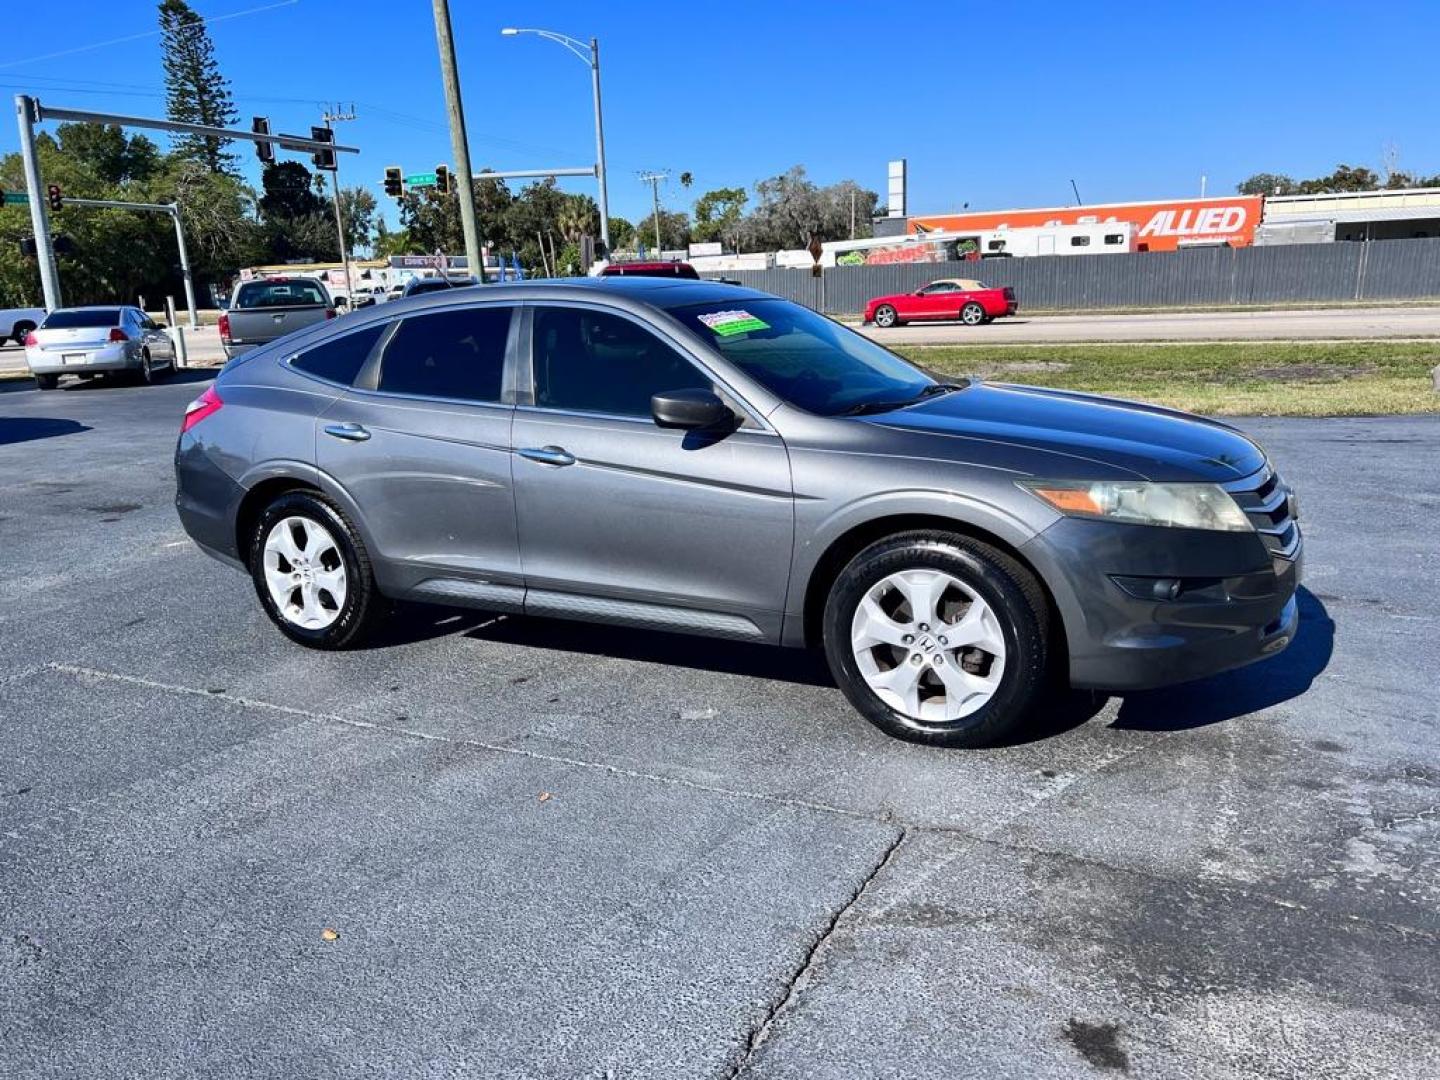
(886, 316)
(972, 313)
(19, 330)
(47, 382)
(363, 606)
(1007, 587)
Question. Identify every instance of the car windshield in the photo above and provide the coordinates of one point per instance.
(71, 320)
(268, 294)
(808, 360)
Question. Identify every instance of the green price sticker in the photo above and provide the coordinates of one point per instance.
(730, 323)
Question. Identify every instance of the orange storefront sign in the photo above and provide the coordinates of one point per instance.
(1159, 226)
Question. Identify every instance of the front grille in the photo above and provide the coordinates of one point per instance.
(1266, 500)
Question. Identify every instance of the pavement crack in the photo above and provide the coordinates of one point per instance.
(802, 975)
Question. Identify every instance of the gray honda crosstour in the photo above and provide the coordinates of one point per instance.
(698, 457)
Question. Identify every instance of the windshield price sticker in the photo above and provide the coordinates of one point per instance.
(726, 323)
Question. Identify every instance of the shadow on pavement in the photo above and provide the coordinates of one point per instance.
(18, 429)
(111, 382)
(1245, 690)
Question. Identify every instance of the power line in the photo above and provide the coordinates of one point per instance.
(147, 34)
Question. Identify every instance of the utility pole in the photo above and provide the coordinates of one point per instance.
(600, 147)
(653, 179)
(852, 213)
(331, 118)
(25, 113)
(459, 144)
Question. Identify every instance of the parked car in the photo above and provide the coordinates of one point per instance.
(264, 309)
(949, 298)
(91, 341)
(649, 269)
(15, 323)
(421, 285)
(712, 459)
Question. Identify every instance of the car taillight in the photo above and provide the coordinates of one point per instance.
(31, 339)
(224, 328)
(117, 335)
(207, 403)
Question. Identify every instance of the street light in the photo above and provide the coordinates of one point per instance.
(591, 56)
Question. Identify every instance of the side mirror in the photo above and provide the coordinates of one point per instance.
(689, 409)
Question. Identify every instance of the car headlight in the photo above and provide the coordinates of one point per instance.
(1142, 502)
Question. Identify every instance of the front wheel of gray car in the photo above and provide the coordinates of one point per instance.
(312, 573)
(939, 639)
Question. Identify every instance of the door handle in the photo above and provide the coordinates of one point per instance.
(348, 432)
(549, 455)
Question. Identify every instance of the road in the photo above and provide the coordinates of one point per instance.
(568, 850)
(1299, 325)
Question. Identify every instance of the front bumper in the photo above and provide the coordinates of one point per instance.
(1129, 627)
(117, 357)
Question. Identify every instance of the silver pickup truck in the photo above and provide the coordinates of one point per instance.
(267, 308)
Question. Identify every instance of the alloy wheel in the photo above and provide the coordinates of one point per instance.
(304, 573)
(928, 645)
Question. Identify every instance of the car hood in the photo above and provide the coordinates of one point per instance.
(1096, 435)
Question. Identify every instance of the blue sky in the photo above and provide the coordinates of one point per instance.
(994, 105)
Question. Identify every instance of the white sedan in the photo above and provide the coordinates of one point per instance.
(90, 341)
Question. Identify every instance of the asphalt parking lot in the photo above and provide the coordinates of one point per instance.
(497, 846)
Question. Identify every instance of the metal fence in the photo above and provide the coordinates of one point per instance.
(1289, 273)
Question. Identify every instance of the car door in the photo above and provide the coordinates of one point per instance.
(155, 338)
(421, 444)
(938, 301)
(622, 520)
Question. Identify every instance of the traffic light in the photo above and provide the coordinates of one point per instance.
(265, 151)
(394, 181)
(442, 179)
(56, 196)
(323, 159)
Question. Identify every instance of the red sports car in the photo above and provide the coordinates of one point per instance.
(949, 298)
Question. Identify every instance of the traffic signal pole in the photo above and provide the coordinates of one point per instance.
(25, 114)
(173, 209)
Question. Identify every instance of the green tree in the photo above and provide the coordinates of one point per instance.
(674, 230)
(297, 224)
(358, 208)
(1266, 184)
(1344, 178)
(719, 214)
(195, 91)
(622, 234)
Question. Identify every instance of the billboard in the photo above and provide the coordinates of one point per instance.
(1159, 226)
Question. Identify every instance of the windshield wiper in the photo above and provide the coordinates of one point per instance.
(933, 390)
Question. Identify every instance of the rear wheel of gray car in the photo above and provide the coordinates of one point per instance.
(937, 638)
(972, 314)
(885, 315)
(312, 573)
(47, 382)
(19, 331)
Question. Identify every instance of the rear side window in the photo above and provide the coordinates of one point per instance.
(448, 354)
(1079, 241)
(339, 359)
(269, 294)
(74, 320)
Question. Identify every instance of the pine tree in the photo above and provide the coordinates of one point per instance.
(195, 91)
